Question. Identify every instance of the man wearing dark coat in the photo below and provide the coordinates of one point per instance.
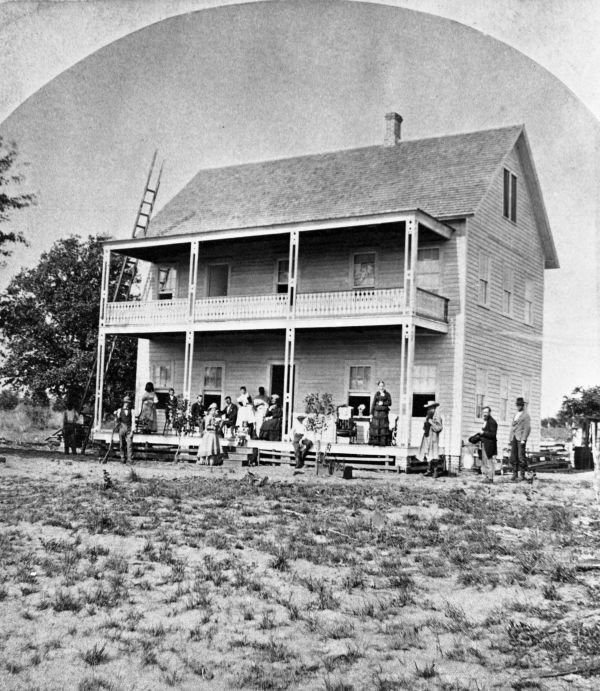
(489, 445)
(197, 413)
(229, 416)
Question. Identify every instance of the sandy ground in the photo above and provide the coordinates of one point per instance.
(192, 577)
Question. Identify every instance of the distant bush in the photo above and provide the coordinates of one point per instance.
(39, 416)
(8, 399)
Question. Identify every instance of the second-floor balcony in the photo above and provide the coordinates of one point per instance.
(309, 307)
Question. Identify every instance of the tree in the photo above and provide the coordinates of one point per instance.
(10, 202)
(581, 406)
(49, 323)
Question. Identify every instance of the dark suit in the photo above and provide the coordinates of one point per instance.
(229, 414)
(488, 437)
(197, 413)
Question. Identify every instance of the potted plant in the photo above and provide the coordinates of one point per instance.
(320, 418)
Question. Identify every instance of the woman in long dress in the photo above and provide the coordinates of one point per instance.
(261, 405)
(379, 429)
(147, 418)
(209, 448)
(271, 426)
(245, 413)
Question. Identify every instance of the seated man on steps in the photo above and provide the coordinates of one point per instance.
(301, 441)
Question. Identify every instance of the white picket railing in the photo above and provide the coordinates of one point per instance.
(351, 303)
(137, 313)
(241, 307)
(248, 307)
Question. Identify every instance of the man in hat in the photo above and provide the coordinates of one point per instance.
(430, 443)
(197, 413)
(519, 432)
(124, 424)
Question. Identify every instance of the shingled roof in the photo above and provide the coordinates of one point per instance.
(447, 177)
(444, 176)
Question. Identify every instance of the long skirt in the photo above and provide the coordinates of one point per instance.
(244, 414)
(379, 429)
(148, 416)
(209, 447)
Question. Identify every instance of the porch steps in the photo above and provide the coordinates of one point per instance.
(286, 457)
(239, 455)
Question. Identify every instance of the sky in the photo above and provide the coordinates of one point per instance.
(235, 84)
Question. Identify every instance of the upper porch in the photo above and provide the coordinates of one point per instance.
(357, 272)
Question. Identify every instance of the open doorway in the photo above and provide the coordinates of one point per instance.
(277, 374)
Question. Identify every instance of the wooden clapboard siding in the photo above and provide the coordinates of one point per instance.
(494, 341)
(325, 263)
(323, 359)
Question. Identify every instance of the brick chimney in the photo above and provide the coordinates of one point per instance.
(393, 121)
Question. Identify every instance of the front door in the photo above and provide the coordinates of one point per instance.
(277, 374)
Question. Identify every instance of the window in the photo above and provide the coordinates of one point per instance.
(359, 389)
(282, 275)
(526, 390)
(213, 385)
(218, 280)
(528, 308)
(507, 290)
(167, 282)
(503, 412)
(363, 274)
(162, 374)
(485, 268)
(510, 195)
(428, 268)
(480, 391)
(424, 388)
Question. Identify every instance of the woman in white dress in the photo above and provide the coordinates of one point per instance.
(245, 414)
(261, 405)
(209, 448)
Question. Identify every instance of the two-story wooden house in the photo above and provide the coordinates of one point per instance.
(419, 262)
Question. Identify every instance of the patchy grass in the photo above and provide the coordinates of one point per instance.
(188, 577)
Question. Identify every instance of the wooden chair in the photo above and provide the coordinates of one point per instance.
(345, 425)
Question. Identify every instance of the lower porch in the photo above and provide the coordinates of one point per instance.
(174, 447)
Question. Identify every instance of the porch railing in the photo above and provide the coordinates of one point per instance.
(351, 303)
(347, 303)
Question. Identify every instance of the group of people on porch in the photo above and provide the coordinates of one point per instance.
(257, 417)
(261, 418)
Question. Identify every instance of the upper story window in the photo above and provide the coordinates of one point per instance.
(485, 270)
(218, 280)
(282, 275)
(507, 290)
(510, 195)
(528, 307)
(167, 282)
(428, 268)
(363, 273)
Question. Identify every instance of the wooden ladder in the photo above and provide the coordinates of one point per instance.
(128, 268)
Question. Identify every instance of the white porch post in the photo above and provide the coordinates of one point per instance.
(188, 365)
(188, 360)
(290, 338)
(101, 351)
(99, 379)
(407, 347)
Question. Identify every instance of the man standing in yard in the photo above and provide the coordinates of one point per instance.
(519, 431)
(489, 445)
(430, 443)
(124, 424)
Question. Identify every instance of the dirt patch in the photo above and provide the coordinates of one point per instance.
(194, 577)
